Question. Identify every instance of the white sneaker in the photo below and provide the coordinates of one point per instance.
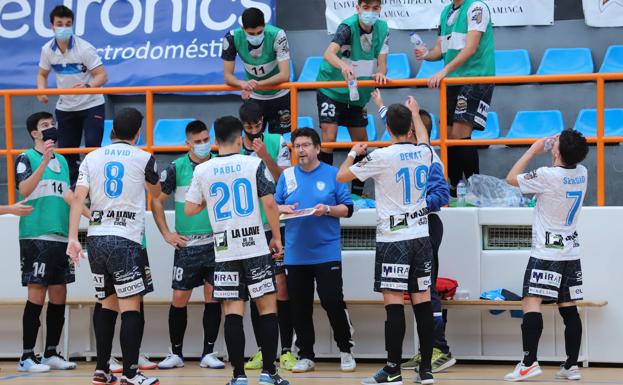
(573, 373)
(144, 363)
(211, 361)
(57, 362)
(347, 362)
(522, 372)
(171, 361)
(114, 365)
(303, 365)
(32, 365)
(139, 379)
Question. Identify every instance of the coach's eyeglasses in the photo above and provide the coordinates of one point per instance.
(304, 146)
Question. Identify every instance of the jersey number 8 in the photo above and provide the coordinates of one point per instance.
(113, 186)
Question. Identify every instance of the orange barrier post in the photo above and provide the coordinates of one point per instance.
(601, 183)
(294, 118)
(8, 127)
(443, 125)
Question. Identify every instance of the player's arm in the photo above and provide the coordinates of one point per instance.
(74, 248)
(42, 82)
(152, 179)
(100, 76)
(27, 185)
(471, 45)
(266, 193)
(194, 202)
(421, 134)
(19, 209)
(437, 191)
(342, 37)
(537, 148)
(433, 54)
(344, 174)
(229, 77)
(68, 198)
(167, 184)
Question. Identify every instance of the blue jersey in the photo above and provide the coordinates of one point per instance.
(312, 240)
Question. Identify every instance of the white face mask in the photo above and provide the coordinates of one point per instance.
(369, 18)
(202, 150)
(255, 40)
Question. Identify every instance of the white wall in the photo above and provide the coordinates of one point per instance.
(471, 333)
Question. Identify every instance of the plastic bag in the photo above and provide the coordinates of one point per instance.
(489, 191)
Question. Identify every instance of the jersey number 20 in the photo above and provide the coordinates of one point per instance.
(113, 186)
(240, 190)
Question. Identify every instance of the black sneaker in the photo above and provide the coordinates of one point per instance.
(100, 377)
(382, 377)
(424, 377)
(272, 379)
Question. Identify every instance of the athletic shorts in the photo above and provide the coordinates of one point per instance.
(469, 103)
(239, 279)
(276, 114)
(149, 282)
(554, 281)
(279, 265)
(45, 263)
(330, 111)
(118, 266)
(403, 265)
(193, 266)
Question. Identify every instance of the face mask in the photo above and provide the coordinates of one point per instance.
(256, 40)
(63, 33)
(252, 137)
(369, 18)
(202, 150)
(50, 134)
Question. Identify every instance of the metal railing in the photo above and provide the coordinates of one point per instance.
(295, 87)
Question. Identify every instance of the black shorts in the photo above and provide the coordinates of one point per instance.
(193, 266)
(276, 114)
(278, 264)
(149, 282)
(239, 279)
(554, 281)
(403, 265)
(45, 263)
(469, 103)
(118, 266)
(330, 111)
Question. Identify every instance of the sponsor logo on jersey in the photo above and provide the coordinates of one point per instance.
(98, 281)
(483, 108)
(461, 105)
(226, 278)
(393, 270)
(96, 217)
(554, 241)
(423, 282)
(125, 276)
(398, 222)
(545, 277)
(263, 287)
(220, 241)
(543, 292)
(394, 285)
(245, 232)
(259, 273)
(226, 293)
(130, 288)
(530, 175)
(576, 292)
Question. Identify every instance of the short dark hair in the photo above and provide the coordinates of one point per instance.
(252, 18)
(572, 146)
(127, 123)
(399, 119)
(359, 2)
(61, 11)
(227, 129)
(33, 120)
(195, 127)
(250, 112)
(306, 132)
(427, 119)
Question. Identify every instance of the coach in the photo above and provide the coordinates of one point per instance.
(312, 247)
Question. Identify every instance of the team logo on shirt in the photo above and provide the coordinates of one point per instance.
(461, 105)
(530, 175)
(96, 218)
(477, 14)
(554, 241)
(220, 241)
(320, 185)
(398, 222)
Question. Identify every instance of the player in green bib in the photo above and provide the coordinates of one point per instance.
(466, 46)
(42, 178)
(358, 51)
(265, 54)
(193, 264)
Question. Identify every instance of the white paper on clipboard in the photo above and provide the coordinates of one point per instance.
(298, 214)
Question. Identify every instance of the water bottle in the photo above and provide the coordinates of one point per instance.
(353, 90)
(461, 192)
(417, 42)
(549, 143)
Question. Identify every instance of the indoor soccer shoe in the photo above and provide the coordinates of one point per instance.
(114, 365)
(32, 365)
(303, 365)
(441, 361)
(57, 362)
(139, 379)
(100, 377)
(211, 361)
(145, 364)
(272, 379)
(522, 372)
(413, 363)
(171, 361)
(382, 377)
(240, 380)
(287, 361)
(347, 362)
(573, 373)
(424, 377)
(255, 362)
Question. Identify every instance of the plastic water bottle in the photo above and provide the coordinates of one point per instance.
(417, 42)
(461, 192)
(353, 90)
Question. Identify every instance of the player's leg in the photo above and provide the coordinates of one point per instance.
(178, 321)
(144, 363)
(356, 119)
(287, 360)
(211, 324)
(301, 289)
(276, 114)
(104, 322)
(570, 292)
(93, 126)
(328, 111)
(70, 135)
(255, 361)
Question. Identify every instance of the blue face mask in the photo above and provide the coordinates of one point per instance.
(369, 18)
(202, 150)
(63, 33)
(255, 40)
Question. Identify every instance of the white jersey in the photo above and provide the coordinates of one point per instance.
(115, 176)
(400, 173)
(231, 185)
(559, 196)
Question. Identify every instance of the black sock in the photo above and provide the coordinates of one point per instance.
(455, 169)
(286, 330)
(394, 335)
(30, 328)
(470, 161)
(142, 331)
(178, 319)
(269, 331)
(326, 157)
(573, 334)
(531, 329)
(234, 339)
(54, 320)
(104, 333)
(130, 341)
(211, 324)
(96, 317)
(425, 330)
(356, 186)
(255, 323)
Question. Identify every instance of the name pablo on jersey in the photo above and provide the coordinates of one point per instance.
(227, 169)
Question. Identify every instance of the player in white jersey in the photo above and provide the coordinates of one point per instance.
(233, 186)
(554, 273)
(403, 261)
(115, 178)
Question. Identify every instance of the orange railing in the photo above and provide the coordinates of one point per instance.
(443, 142)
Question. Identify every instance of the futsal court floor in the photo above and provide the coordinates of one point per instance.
(325, 374)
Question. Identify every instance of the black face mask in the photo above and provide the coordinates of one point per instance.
(50, 134)
(252, 137)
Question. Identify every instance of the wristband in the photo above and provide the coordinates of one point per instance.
(352, 154)
(328, 211)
